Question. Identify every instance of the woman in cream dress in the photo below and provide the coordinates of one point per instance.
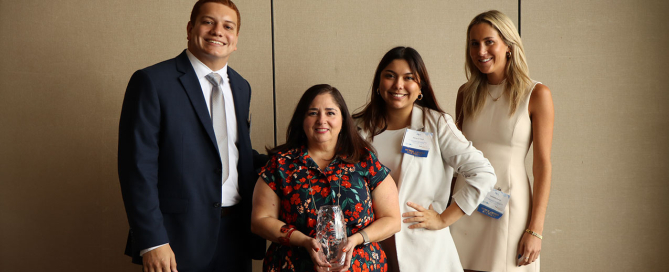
(502, 111)
(402, 100)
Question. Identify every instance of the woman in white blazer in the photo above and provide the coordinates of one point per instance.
(403, 114)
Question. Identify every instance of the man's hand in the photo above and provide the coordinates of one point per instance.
(160, 259)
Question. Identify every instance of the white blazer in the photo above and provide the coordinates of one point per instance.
(427, 180)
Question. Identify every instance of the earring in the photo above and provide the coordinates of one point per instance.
(420, 96)
(377, 91)
(508, 55)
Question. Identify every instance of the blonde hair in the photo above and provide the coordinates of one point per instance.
(517, 75)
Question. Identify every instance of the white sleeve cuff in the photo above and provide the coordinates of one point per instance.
(144, 251)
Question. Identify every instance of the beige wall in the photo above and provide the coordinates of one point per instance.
(66, 64)
(605, 63)
(342, 42)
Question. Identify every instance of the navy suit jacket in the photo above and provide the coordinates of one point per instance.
(169, 166)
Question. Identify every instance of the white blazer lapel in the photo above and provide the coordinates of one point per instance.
(407, 160)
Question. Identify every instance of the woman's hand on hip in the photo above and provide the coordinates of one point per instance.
(424, 218)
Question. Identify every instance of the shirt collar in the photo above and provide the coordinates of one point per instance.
(304, 154)
(201, 70)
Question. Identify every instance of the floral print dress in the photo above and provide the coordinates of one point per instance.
(298, 181)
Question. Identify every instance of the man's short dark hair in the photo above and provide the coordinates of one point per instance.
(196, 10)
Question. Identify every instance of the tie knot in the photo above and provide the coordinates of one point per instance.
(214, 78)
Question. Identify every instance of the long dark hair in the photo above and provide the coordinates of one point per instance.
(351, 147)
(373, 114)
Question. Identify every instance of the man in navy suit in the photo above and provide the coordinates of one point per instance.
(187, 191)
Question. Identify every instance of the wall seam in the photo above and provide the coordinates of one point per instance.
(519, 5)
(273, 71)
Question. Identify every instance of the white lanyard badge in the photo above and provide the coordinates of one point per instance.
(494, 203)
(416, 143)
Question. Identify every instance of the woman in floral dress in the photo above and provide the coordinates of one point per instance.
(324, 162)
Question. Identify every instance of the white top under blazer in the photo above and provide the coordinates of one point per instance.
(427, 180)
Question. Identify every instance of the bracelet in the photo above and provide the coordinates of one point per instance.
(534, 234)
(288, 230)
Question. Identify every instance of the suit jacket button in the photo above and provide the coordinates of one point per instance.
(218, 170)
(217, 204)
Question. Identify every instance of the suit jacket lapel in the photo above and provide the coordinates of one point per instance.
(238, 96)
(192, 86)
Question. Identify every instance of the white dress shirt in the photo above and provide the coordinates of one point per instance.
(230, 186)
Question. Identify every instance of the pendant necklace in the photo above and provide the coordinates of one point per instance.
(500, 96)
(312, 195)
(495, 99)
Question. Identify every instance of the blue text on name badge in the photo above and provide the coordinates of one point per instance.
(414, 152)
(494, 204)
(489, 211)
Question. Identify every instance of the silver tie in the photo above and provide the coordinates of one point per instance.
(218, 120)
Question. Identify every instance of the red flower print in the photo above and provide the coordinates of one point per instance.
(295, 199)
(287, 190)
(291, 218)
(325, 192)
(302, 184)
(356, 266)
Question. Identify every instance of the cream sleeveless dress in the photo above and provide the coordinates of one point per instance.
(484, 243)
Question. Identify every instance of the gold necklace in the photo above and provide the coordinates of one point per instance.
(488, 90)
(495, 99)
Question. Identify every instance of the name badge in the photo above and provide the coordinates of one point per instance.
(416, 143)
(494, 203)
